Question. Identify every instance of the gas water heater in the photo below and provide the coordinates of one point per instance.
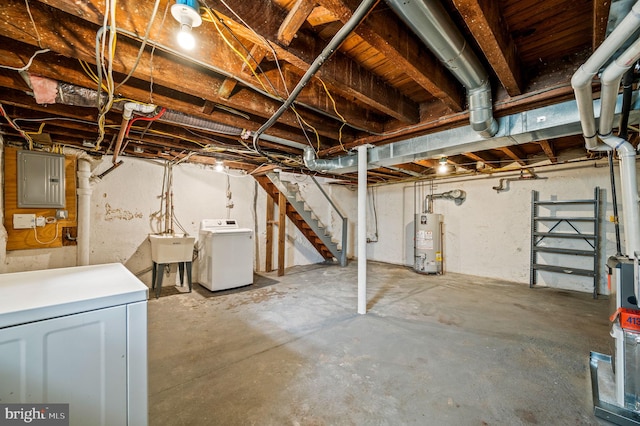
(428, 243)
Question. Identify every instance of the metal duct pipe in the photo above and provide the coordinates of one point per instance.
(358, 15)
(432, 24)
(582, 78)
(313, 163)
(457, 195)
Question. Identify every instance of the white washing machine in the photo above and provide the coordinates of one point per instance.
(226, 255)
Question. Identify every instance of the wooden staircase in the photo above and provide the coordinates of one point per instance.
(306, 230)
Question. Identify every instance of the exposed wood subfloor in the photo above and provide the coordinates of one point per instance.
(452, 349)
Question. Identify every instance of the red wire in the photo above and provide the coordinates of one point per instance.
(154, 118)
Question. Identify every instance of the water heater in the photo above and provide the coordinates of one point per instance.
(428, 243)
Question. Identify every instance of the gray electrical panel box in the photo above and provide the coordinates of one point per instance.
(40, 180)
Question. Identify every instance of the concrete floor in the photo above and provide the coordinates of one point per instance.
(432, 350)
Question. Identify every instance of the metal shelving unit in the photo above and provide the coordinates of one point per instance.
(551, 235)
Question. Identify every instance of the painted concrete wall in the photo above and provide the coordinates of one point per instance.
(125, 207)
(489, 234)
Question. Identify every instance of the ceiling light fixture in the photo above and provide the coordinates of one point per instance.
(219, 166)
(442, 168)
(187, 14)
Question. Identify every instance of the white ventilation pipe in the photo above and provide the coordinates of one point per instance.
(610, 85)
(362, 229)
(432, 24)
(581, 82)
(582, 78)
(629, 190)
(84, 191)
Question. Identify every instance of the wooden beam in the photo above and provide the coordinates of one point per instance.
(256, 55)
(74, 37)
(548, 151)
(64, 69)
(600, 19)
(484, 20)
(488, 161)
(282, 231)
(341, 74)
(268, 264)
(515, 154)
(294, 20)
(402, 48)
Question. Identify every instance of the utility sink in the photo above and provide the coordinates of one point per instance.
(171, 248)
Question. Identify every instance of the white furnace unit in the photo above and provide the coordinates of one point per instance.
(428, 243)
(226, 255)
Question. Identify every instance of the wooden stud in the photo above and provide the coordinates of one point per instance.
(282, 231)
(268, 265)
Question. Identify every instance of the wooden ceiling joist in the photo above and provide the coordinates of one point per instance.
(484, 20)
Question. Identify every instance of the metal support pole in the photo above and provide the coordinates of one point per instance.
(362, 229)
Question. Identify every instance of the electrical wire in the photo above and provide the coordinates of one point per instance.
(274, 92)
(142, 46)
(33, 22)
(24, 134)
(142, 118)
(35, 234)
(26, 67)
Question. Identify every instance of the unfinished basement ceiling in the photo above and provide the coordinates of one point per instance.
(382, 85)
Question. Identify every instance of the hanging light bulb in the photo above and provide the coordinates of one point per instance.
(219, 166)
(442, 168)
(187, 15)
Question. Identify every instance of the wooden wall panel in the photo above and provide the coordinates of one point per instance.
(18, 239)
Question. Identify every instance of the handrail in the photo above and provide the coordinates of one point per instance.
(343, 253)
(327, 197)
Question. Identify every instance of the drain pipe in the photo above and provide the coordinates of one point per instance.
(582, 78)
(84, 210)
(127, 113)
(358, 15)
(627, 91)
(432, 24)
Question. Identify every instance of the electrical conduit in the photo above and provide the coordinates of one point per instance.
(358, 15)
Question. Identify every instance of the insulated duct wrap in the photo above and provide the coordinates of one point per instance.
(175, 117)
(69, 94)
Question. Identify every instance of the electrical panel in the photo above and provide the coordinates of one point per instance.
(41, 180)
